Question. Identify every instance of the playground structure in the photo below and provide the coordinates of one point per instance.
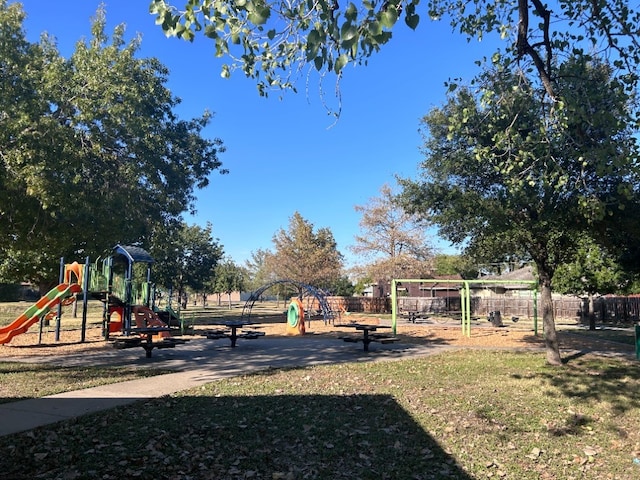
(465, 298)
(121, 281)
(295, 318)
(309, 298)
(38, 311)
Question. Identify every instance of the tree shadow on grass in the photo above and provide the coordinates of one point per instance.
(597, 341)
(587, 377)
(232, 437)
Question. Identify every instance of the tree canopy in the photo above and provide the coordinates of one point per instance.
(305, 255)
(393, 241)
(91, 151)
(272, 41)
(186, 258)
(258, 269)
(508, 170)
(592, 271)
(228, 278)
(446, 264)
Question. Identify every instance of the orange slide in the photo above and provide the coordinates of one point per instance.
(40, 308)
(145, 318)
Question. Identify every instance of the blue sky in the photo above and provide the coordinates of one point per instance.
(288, 155)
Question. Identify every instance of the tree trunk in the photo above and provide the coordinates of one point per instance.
(548, 320)
(592, 313)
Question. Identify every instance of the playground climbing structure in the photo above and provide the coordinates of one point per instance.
(122, 281)
(309, 298)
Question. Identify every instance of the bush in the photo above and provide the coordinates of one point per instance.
(9, 292)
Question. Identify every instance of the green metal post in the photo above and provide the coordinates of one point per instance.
(463, 308)
(468, 300)
(393, 305)
(535, 311)
(465, 294)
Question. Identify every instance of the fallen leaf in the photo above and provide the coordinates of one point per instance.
(535, 454)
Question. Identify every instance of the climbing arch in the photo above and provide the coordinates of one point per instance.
(305, 291)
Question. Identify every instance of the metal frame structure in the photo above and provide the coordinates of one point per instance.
(327, 313)
(465, 298)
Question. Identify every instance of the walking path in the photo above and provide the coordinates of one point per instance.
(194, 363)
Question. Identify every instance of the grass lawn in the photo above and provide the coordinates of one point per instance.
(19, 381)
(470, 414)
(619, 335)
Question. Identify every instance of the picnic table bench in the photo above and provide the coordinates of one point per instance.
(145, 340)
(367, 335)
(231, 332)
(410, 314)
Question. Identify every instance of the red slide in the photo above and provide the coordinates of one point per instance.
(37, 310)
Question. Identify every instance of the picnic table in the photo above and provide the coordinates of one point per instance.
(231, 331)
(367, 334)
(412, 315)
(145, 339)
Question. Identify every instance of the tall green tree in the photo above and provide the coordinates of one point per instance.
(272, 40)
(258, 269)
(593, 271)
(445, 264)
(306, 255)
(26, 134)
(186, 258)
(228, 278)
(92, 153)
(342, 287)
(508, 170)
(393, 241)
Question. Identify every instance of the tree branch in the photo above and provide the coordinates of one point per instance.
(524, 47)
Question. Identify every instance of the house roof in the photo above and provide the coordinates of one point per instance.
(437, 283)
(524, 274)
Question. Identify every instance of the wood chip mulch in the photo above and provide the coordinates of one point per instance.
(27, 345)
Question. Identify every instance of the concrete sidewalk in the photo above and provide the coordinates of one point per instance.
(195, 363)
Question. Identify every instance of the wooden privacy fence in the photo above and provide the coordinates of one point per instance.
(617, 310)
(355, 304)
(608, 310)
(508, 306)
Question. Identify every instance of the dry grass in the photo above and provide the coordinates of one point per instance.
(484, 411)
(470, 414)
